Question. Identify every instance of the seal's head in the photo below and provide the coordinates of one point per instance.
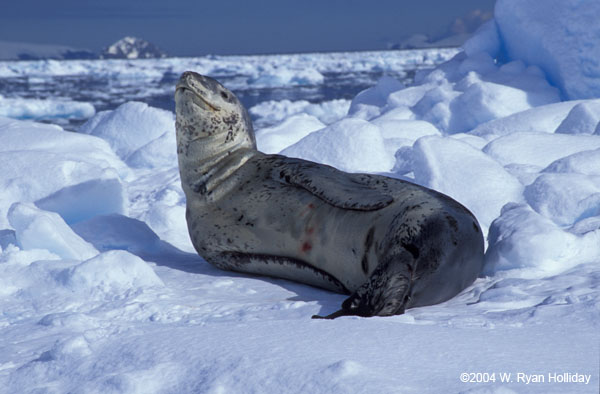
(208, 112)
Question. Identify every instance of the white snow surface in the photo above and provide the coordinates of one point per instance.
(101, 290)
(20, 108)
(561, 37)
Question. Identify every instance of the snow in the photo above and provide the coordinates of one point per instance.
(269, 113)
(140, 135)
(37, 229)
(441, 164)
(271, 70)
(561, 37)
(582, 119)
(351, 144)
(132, 48)
(586, 162)
(293, 129)
(282, 76)
(539, 149)
(19, 108)
(43, 161)
(102, 291)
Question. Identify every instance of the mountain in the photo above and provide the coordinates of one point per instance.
(417, 41)
(455, 34)
(125, 48)
(10, 50)
(132, 48)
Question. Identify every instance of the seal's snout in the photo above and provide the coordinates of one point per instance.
(188, 80)
(190, 74)
(198, 82)
(189, 77)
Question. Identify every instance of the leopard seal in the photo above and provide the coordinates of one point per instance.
(387, 243)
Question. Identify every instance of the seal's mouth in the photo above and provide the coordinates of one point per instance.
(183, 88)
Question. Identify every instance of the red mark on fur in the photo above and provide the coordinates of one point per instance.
(311, 205)
(310, 230)
(306, 246)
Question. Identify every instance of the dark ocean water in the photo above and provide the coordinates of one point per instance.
(106, 94)
(107, 85)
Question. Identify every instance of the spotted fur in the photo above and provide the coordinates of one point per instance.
(389, 244)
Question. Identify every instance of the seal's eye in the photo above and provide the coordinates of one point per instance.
(224, 95)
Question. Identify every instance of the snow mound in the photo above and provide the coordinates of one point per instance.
(71, 349)
(538, 149)
(542, 119)
(39, 160)
(350, 145)
(441, 164)
(523, 239)
(272, 112)
(117, 232)
(141, 135)
(293, 129)
(586, 162)
(582, 119)
(86, 200)
(114, 271)
(37, 229)
(560, 36)
(468, 91)
(565, 198)
(375, 96)
(400, 128)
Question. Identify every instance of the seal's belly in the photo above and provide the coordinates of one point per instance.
(294, 224)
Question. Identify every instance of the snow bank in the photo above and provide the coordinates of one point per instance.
(269, 113)
(350, 145)
(560, 36)
(375, 96)
(442, 164)
(87, 199)
(114, 271)
(40, 160)
(522, 239)
(582, 119)
(468, 91)
(142, 136)
(293, 129)
(565, 198)
(543, 119)
(538, 149)
(37, 229)
(586, 162)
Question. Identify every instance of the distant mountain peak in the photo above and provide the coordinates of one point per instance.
(132, 48)
(11, 50)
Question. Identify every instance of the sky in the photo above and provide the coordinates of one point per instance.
(188, 27)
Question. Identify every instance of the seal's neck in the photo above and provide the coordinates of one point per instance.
(207, 162)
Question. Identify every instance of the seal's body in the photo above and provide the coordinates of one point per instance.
(389, 243)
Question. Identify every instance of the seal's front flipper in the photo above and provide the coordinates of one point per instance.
(340, 189)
